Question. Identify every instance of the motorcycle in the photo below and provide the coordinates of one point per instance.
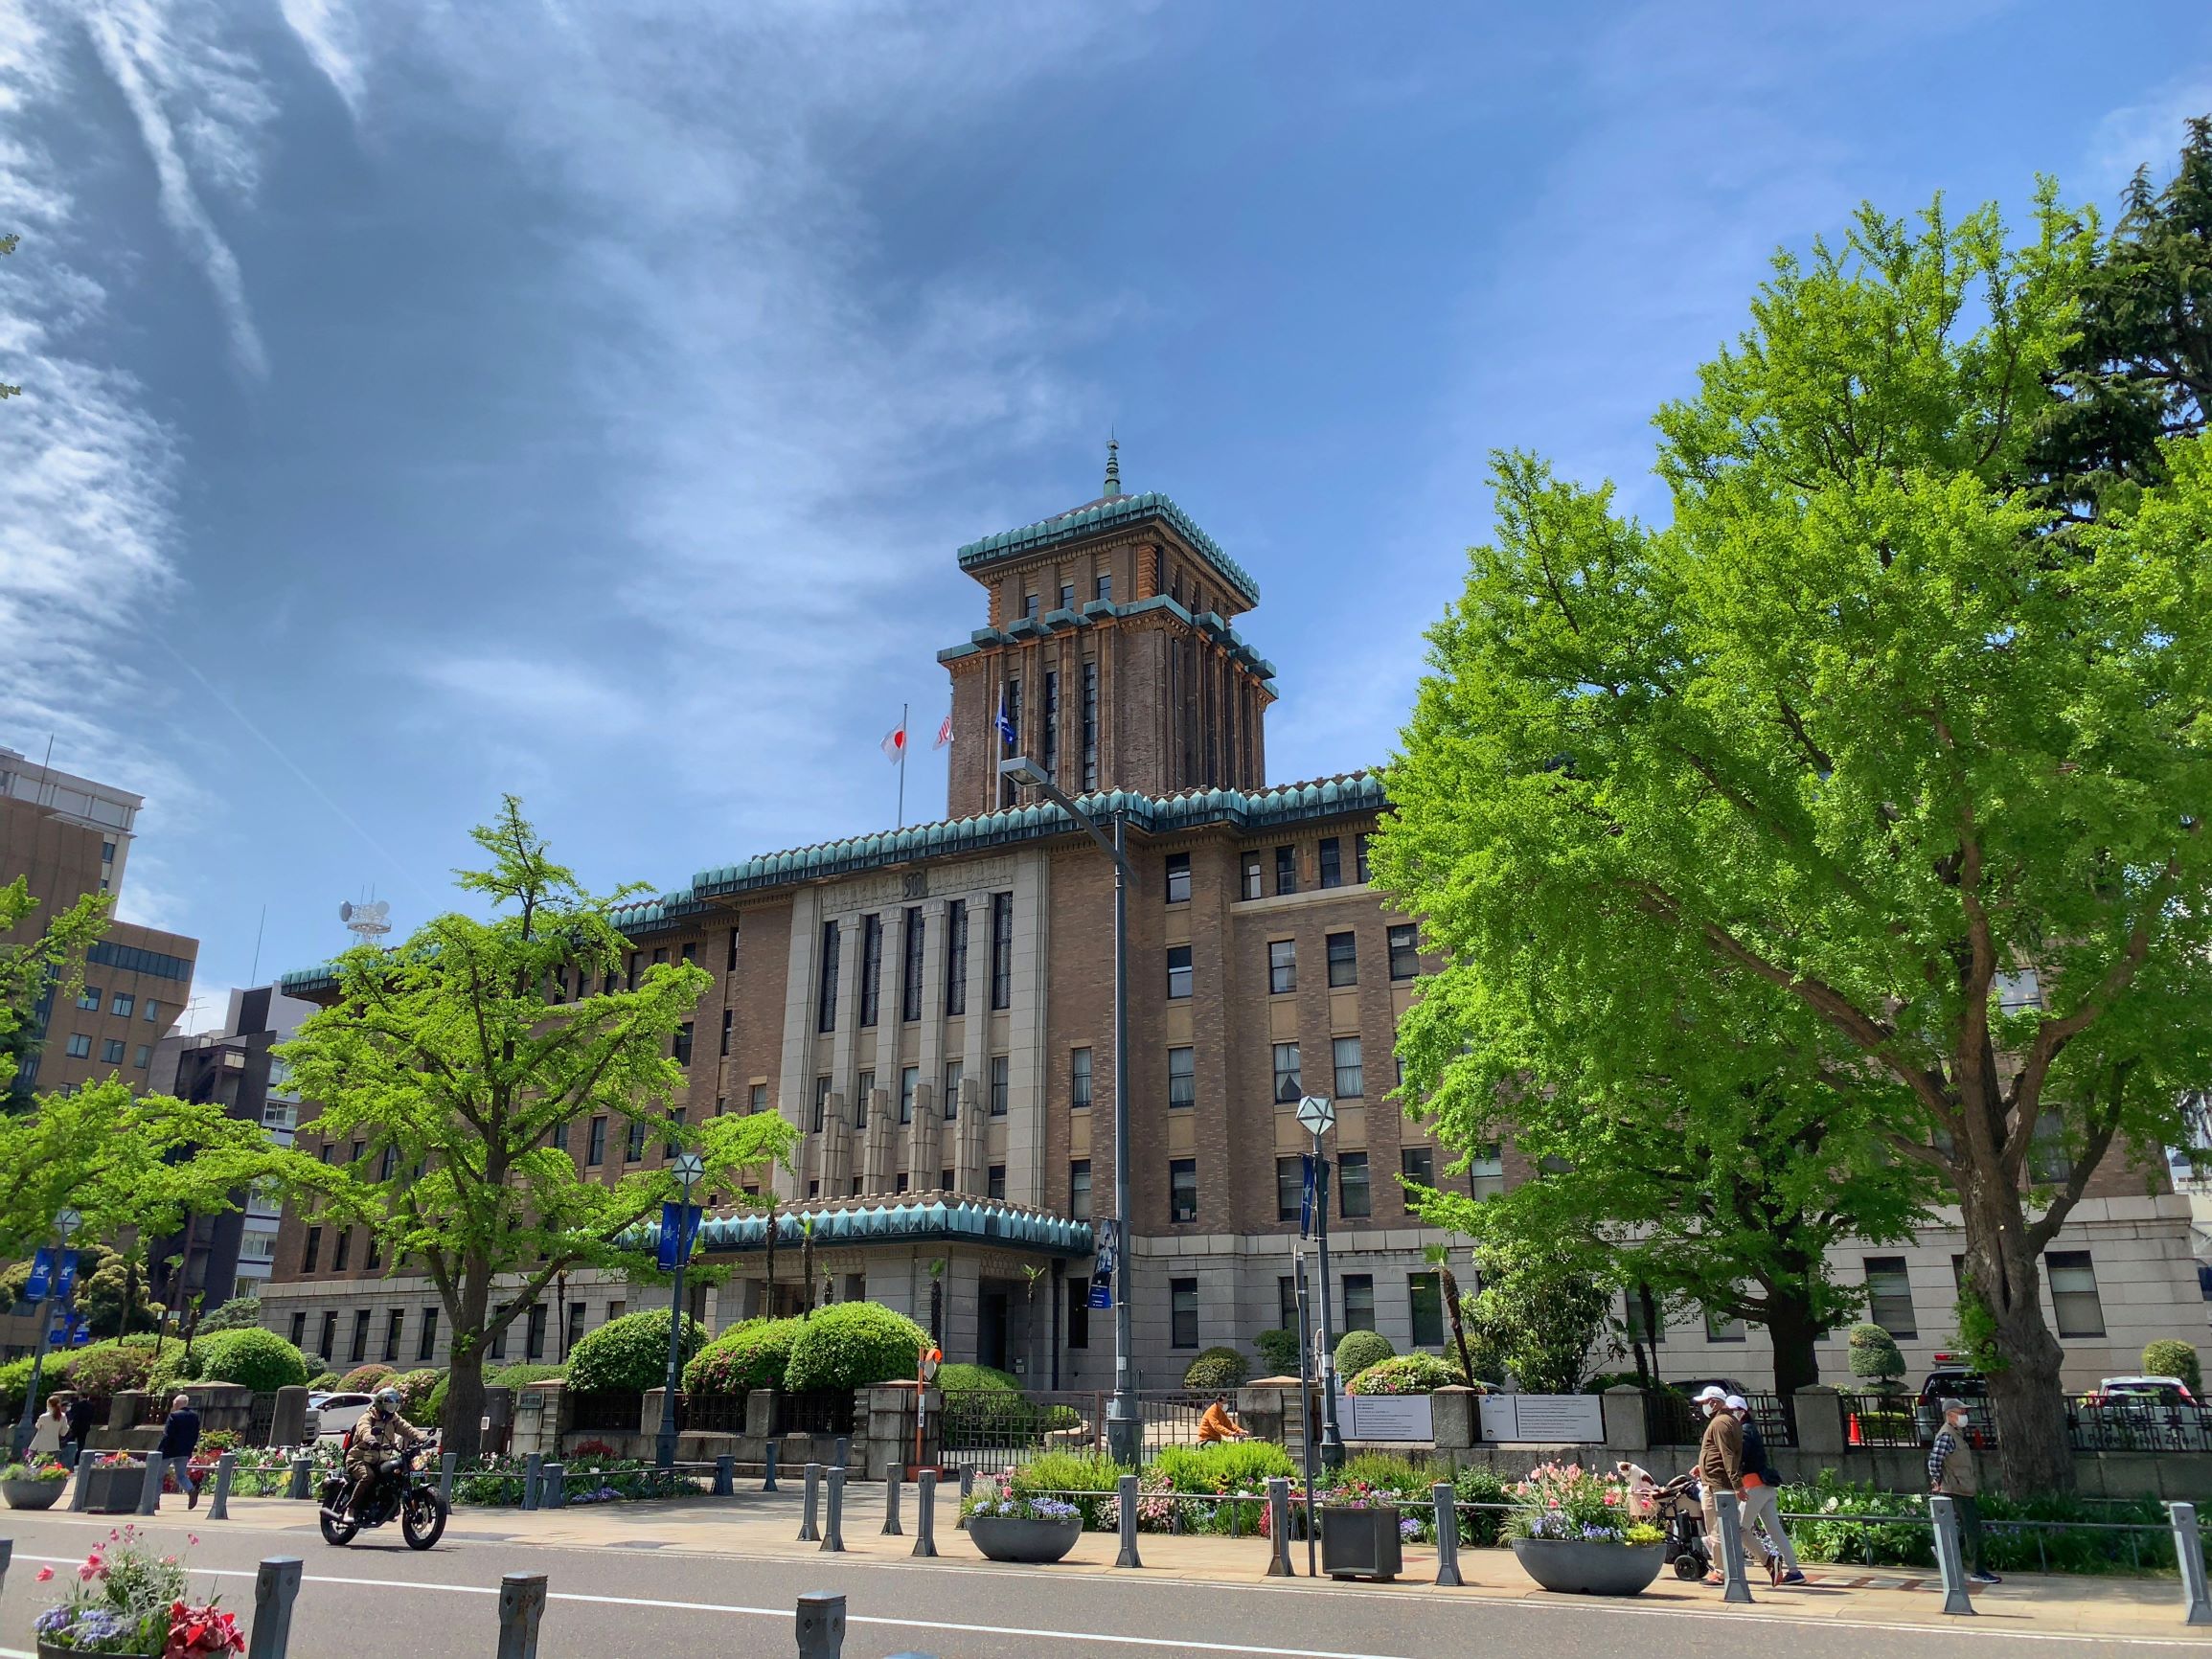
(399, 1487)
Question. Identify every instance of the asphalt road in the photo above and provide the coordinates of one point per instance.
(378, 1598)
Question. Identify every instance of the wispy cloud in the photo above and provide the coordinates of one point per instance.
(330, 35)
(2147, 133)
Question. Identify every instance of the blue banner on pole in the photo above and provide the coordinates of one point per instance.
(65, 1282)
(41, 1275)
(680, 1233)
(1101, 1296)
(1306, 1197)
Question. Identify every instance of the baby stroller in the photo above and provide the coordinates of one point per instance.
(1678, 1512)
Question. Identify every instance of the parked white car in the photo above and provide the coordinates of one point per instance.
(331, 1414)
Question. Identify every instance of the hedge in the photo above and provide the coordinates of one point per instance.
(630, 1354)
(104, 1370)
(753, 1354)
(2170, 1357)
(1217, 1370)
(1359, 1350)
(366, 1378)
(261, 1360)
(1407, 1373)
(415, 1390)
(852, 1345)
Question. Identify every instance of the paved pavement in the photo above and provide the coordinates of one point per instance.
(720, 1578)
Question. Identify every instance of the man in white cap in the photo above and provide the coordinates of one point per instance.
(1720, 1469)
(1763, 1498)
(1951, 1472)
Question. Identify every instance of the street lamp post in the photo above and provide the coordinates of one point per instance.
(1125, 1416)
(688, 1169)
(66, 1223)
(1319, 1114)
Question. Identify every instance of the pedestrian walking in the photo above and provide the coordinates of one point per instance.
(1720, 1469)
(1763, 1498)
(47, 1434)
(1951, 1472)
(179, 1440)
(79, 1431)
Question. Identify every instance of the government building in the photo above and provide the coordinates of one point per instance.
(933, 1008)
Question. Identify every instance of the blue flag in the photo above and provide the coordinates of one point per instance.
(678, 1236)
(41, 1275)
(1005, 733)
(1306, 1197)
(65, 1281)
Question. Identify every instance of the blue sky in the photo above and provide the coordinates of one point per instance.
(585, 399)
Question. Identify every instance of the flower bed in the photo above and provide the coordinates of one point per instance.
(128, 1601)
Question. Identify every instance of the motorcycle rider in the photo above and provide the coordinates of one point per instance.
(380, 1433)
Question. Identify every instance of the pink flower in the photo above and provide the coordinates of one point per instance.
(44, 1573)
(85, 1572)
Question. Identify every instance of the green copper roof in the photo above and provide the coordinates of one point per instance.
(901, 1220)
(1110, 513)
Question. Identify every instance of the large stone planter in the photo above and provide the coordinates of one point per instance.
(1019, 1539)
(47, 1651)
(31, 1495)
(112, 1491)
(1361, 1543)
(1574, 1567)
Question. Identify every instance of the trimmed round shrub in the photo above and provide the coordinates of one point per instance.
(630, 1354)
(852, 1345)
(366, 1378)
(239, 1313)
(104, 1370)
(2170, 1357)
(1875, 1356)
(1218, 1369)
(324, 1381)
(1359, 1350)
(415, 1390)
(1407, 1373)
(1278, 1352)
(746, 1356)
(260, 1359)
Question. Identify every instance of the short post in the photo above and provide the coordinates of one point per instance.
(219, 1503)
(522, 1605)
(1128, 1506)
(966, 1486)
(808, 1533)
(891, 1527)
(1447, 1535)
(725, 1475)
(2190, 1552)
(768, 1460)
(6, 1550)
(844, 1450)
(81, 1499)
(532, 1465)
(926, 1515)
(821, 1626)
(834, 1529)
(149, 1485)
(275, 1586)
(1729, 1508)
(1279, 1527)
(556, 1479)
(303, 1466)
(1949, 1557)
(446, 1463)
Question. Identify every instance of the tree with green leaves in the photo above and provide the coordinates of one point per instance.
(50, 961)
(450, 1062)
(1540, 1313)
(1901, 775)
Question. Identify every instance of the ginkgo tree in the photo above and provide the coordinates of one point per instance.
(455, 1061)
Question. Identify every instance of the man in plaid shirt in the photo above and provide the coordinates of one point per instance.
(1951, 1471)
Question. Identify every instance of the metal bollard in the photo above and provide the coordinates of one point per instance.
(725, 1475)
(1447, 1535)
(302, 1469)
(1729, 1507)
(522, 1605)
(219, 1503)
(1949, 1557)
(833, 1528)
(808, 1533)
(2190, 1552)
(1278, 1527)
(1129, 1517)
(150, 1486)
(891, 1527)
(530, 1466)
(446, 1463)
(275, 1586)
(966, 1486)
(821, 1626)
(844, 1450)
(80, 1498)
(926, 1515)
(556, 1479)
(768, 1483)
(6, 1550)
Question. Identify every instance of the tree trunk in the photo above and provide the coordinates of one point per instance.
(1795, 1333)
(2034, 1454)
(464, 1419)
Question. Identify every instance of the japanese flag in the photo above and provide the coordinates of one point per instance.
(895, 744)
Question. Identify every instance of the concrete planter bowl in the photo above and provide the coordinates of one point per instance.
(31, 1495)
(1575, 1567)
(1019, 1539)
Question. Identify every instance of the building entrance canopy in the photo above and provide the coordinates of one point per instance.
(862, 1222)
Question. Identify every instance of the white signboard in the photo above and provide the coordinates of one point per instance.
(1547, 1419)
(1387, 1417)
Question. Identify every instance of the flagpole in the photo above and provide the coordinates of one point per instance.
(906, 739)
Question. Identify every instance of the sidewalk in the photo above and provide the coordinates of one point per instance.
(764, 1526)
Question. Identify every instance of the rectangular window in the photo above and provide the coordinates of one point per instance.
(948, 1108)
(871, 965)
(1178, 972)
(1067, 595)
(729, 1017)
(909, 1084)
(1404, 952)
(945, 1180)
(107, 857)
(1360, 865)
(1418, 1165)
(388, 1163)
(683, 1044)
(123, 1005)
(1049, 740)
(821, 1103)
(633, 1145)
(79, 1046)
(1350, 1073)
(1183, 1189)
(1089, 727)
(994, 1182)
(1002, 950)
(1289, 1187)
(1343, 960)
(2074, 1294)
(1353, 1196)
(1890, 1297)
(1425, 1298)
(1721, 1326)
(825, 1001)
(153, 1011)
(534, 1332)
(731, 966)
(757, 1098)
(1103, 586)
(88, 999)
(863, 1092)
(342, 1247)
(1331, 861)
(1079, 1189)
(1028, 607)
(1251, 882)
(595, 1148)
(575, 1327)
(1182, 1077)
(111, 1051)
(311, 1250)
(1282, 967)
(910, 965)
(1358, 1302)
(1078, 1318)
(330, 1339)
(1486, 1172)
(426, 1342)
(1178, 869)
(1634, 1322)
(358, 1350)
(300, 1331)
(1079, 1079)
(1289, 1090)
(1286, 870)
(1000, 1067)
(1183, 1312)
(140, 1055)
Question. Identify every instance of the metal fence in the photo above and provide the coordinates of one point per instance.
(989, 1429)
(2138, 1424)
(826, 1411)
(612, 1412)
(712, 1413)
(1673, 1419)
(260, 1420)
